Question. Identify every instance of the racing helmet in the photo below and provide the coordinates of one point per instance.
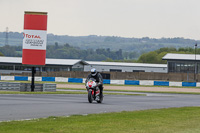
(93, 72)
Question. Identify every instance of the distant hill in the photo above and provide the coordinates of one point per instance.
(114, 43)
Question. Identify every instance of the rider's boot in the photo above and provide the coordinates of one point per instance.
(97, 98)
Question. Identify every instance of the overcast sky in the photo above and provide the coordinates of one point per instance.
(125, 18)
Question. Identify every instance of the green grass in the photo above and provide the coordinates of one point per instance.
(167, 92)
(41, 82)
(152, 86)
(57, 92)
(173, 120)
(195, 93)
(63, 92)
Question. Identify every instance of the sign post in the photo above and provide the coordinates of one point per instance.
(33, 79)
(34, 42)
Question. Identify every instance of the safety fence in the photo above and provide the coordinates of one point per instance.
(105, 81)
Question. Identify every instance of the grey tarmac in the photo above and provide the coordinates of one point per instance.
(29, 106)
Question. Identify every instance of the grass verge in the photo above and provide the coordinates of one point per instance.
(57, 92)
(167, 92)
(182, 120)
(41, 82)
(196, 93)
(64, 92)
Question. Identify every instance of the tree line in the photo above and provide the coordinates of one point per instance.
(69, 52)
(156, 56)
(137, 46)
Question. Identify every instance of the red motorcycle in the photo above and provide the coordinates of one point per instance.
(93, 91)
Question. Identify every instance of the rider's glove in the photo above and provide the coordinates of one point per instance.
(98, 84)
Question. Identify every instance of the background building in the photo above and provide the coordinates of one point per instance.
(182, 63)
(125, 67)
(14, 65)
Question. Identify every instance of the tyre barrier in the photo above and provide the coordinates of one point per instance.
(16, 86)
(105, 81)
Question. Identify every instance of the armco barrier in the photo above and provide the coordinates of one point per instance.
(161, 83)
(118, 82)
(61, 79)
(7, 78)
(198, 84)
(75, 80)
(144, 82)
(36, 78)
(84, 80)
(106, 81)
(131, 82)
(175, 83)
(20, 78)
(48, 79)
(189, 84)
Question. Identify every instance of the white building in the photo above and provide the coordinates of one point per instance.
(183, 63)
(125, 67)
(14, 65)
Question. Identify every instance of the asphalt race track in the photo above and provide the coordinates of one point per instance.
(27, 106)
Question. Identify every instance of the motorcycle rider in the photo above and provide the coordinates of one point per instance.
(97, 76)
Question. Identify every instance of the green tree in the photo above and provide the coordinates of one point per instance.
(150, 57)
(159, 58)
(1, 54)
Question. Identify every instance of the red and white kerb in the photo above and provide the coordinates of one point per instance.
(35, 38)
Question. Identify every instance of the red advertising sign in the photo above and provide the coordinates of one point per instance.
(35, 36)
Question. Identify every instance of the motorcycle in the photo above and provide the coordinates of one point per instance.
(93, 91)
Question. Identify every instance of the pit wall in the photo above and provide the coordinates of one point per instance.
(105, 81)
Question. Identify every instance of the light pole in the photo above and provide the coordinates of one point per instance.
(195, 69)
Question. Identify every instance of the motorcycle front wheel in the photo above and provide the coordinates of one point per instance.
(90, 98)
